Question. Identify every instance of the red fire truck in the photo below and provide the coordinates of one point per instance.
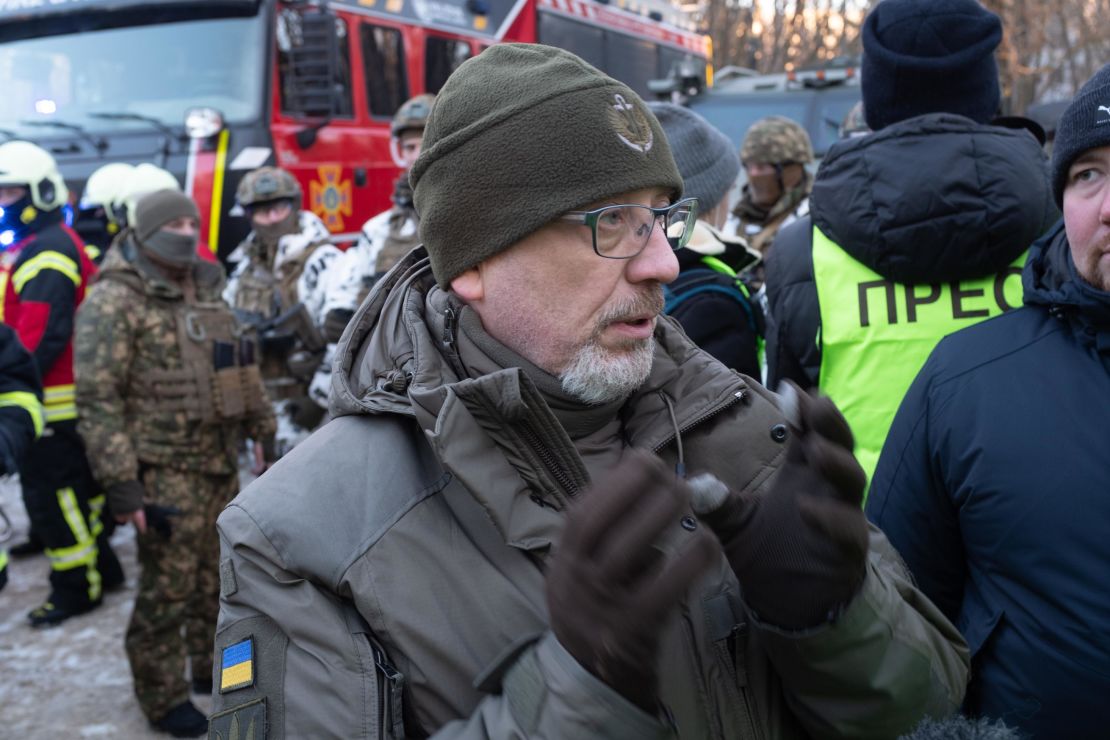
(210, 89)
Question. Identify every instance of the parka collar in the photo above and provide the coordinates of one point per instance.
(399, 358)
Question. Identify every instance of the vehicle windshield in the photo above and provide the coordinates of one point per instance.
(155, 71)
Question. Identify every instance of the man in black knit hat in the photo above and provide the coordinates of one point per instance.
(492, 538)
(993, 482)
(916, 230)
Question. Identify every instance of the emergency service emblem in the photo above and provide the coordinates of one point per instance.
(330, 196)
(631, 124)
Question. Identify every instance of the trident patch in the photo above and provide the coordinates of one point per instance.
(631, 124)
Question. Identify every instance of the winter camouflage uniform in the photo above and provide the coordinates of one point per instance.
(385, 239)
(778, 141)
(153, 409)
(275, 273)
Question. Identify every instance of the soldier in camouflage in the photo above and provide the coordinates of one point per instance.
(774, 153)
(277, 287)
(166, 391)
(385, 238)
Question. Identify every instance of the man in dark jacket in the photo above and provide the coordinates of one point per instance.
(44, 272)
(915, 230)
(21, 417)
(993, 483)
(711, 297)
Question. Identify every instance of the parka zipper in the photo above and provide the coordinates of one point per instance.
(550, 463)
(735, 398)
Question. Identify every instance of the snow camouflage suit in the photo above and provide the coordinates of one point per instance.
(142, 421)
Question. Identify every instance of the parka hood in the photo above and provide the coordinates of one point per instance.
(935, 198)
(1051, 280)
(375, 361)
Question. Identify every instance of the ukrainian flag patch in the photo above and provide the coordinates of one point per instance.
(237, 666)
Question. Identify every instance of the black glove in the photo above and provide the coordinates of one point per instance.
(609, 590)
(800, 550)
(158, 518)
(335, 322)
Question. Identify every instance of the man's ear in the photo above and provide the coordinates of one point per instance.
(468, 286)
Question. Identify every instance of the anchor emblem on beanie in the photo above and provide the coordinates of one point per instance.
(631, 124)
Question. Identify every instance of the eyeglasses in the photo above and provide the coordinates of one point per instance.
(621, 232)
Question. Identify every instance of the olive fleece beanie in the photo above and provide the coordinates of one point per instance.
(706, 159)
(1085, 124)
(929, 56)
(155, 210)
(519, 135)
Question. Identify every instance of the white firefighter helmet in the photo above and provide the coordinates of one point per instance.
(23, 164)
(104, 186)
(144, 178)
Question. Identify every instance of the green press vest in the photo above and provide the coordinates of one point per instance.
(876, 334)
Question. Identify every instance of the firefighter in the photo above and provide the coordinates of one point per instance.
(43, 277)
(385, 238)
(143, 178)
(97, 222)
(21, 419)
(276, 289)
(166, 391)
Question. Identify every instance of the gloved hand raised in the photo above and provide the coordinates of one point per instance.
(800, 550)
(609, 589)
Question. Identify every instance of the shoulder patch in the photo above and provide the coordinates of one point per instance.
(237, 666)
(244, 722)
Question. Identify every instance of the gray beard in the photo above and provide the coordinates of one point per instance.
(596, 375)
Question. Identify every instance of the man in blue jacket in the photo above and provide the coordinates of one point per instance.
(994, 481)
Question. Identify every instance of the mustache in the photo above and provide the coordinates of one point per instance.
(648, 302)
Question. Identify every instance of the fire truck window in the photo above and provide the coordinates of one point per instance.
(292, 89)
(441, 58)
(586, 41)
(632, 61)
(383, 55)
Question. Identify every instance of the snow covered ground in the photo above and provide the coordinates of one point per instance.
(72, 680)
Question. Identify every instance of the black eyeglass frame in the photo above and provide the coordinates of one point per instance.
(590, 218)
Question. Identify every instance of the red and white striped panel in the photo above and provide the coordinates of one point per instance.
(623, 20)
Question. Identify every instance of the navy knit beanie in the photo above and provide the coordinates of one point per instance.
(705, 157)
(1084, 125)
(929, 56)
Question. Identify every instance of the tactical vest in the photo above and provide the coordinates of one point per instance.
(403, 237)
(267, 292)
(876, 334)
(219, 379)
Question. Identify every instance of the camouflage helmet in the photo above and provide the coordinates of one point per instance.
(854, 123)
(413, 114)
(776, 140)
(268, 184)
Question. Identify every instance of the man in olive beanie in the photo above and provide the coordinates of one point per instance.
(165, 225)
(167, 390)
(526, 134)
(491, 538)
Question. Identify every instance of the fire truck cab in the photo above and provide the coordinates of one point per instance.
(213, 89)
